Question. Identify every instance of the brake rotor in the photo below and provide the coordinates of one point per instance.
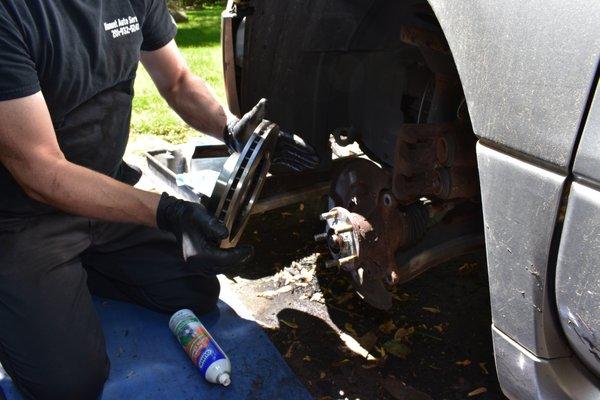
(241, 180)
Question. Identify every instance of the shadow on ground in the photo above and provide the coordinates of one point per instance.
(435, 343)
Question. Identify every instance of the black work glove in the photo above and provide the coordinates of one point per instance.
(198, 233)
(291, 152)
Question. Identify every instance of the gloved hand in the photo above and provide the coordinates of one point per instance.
(198, 233)
(290, 152)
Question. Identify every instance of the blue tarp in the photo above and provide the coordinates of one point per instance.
(148, 363)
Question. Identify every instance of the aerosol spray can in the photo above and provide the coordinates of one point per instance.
(201, 347)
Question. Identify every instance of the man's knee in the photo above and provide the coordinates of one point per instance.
(72, 381)
(205, 298)
(198, 293)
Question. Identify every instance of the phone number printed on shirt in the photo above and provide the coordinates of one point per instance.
(122, 26)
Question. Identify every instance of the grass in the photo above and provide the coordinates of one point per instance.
(199, 42)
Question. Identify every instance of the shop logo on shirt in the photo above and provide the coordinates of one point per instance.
(122, 26)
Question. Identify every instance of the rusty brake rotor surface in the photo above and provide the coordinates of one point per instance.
(380, 241)
(366, 228)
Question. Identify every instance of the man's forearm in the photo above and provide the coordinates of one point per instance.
(195, 102)
(187, 94)
(81, 191)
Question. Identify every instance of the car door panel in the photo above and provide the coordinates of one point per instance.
(520, 206)
(578, 265)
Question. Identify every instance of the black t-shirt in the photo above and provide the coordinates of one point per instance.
(83, 56)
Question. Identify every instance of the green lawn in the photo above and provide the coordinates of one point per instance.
(199, 41)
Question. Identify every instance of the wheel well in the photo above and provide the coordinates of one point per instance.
(329, 64)
(379, 73)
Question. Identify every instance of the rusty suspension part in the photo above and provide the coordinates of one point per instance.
(368, 226)
(388, 225)
(383, 239)
(434, 160)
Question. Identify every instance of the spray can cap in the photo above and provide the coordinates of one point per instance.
(224, 379)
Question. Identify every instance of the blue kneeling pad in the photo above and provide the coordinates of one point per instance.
(148, 363)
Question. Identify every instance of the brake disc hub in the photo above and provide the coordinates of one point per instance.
(366, 227)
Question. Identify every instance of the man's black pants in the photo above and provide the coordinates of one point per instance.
(51, 341)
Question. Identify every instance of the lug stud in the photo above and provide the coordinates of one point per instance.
(328, 215)
(321, 237)
(343, 229)
(340, 262)
(347, 260)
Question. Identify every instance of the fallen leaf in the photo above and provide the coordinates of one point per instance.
(433, 310)
(368, 340)
(401, 297)
(396, 348)
(344, 298)
(350, 329)
(318, 297)
(340, 363)
(322, 375)
(404, 332)
(307, 275)
(424, 334)
(483, 368)
(477, 392)
(387, 327)
(301, 207)
(306, 358)
(463, 363)
(399, 391)
(439, 328)
(269, 294)
(369, 366)
(290, 324)
(290, 350)
(354, 346)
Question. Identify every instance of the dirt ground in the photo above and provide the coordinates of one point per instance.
(435, 343)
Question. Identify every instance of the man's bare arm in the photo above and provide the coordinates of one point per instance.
(187, 94)
(30, 151)
(196, 104)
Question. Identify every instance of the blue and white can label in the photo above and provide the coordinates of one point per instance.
(196, 340)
